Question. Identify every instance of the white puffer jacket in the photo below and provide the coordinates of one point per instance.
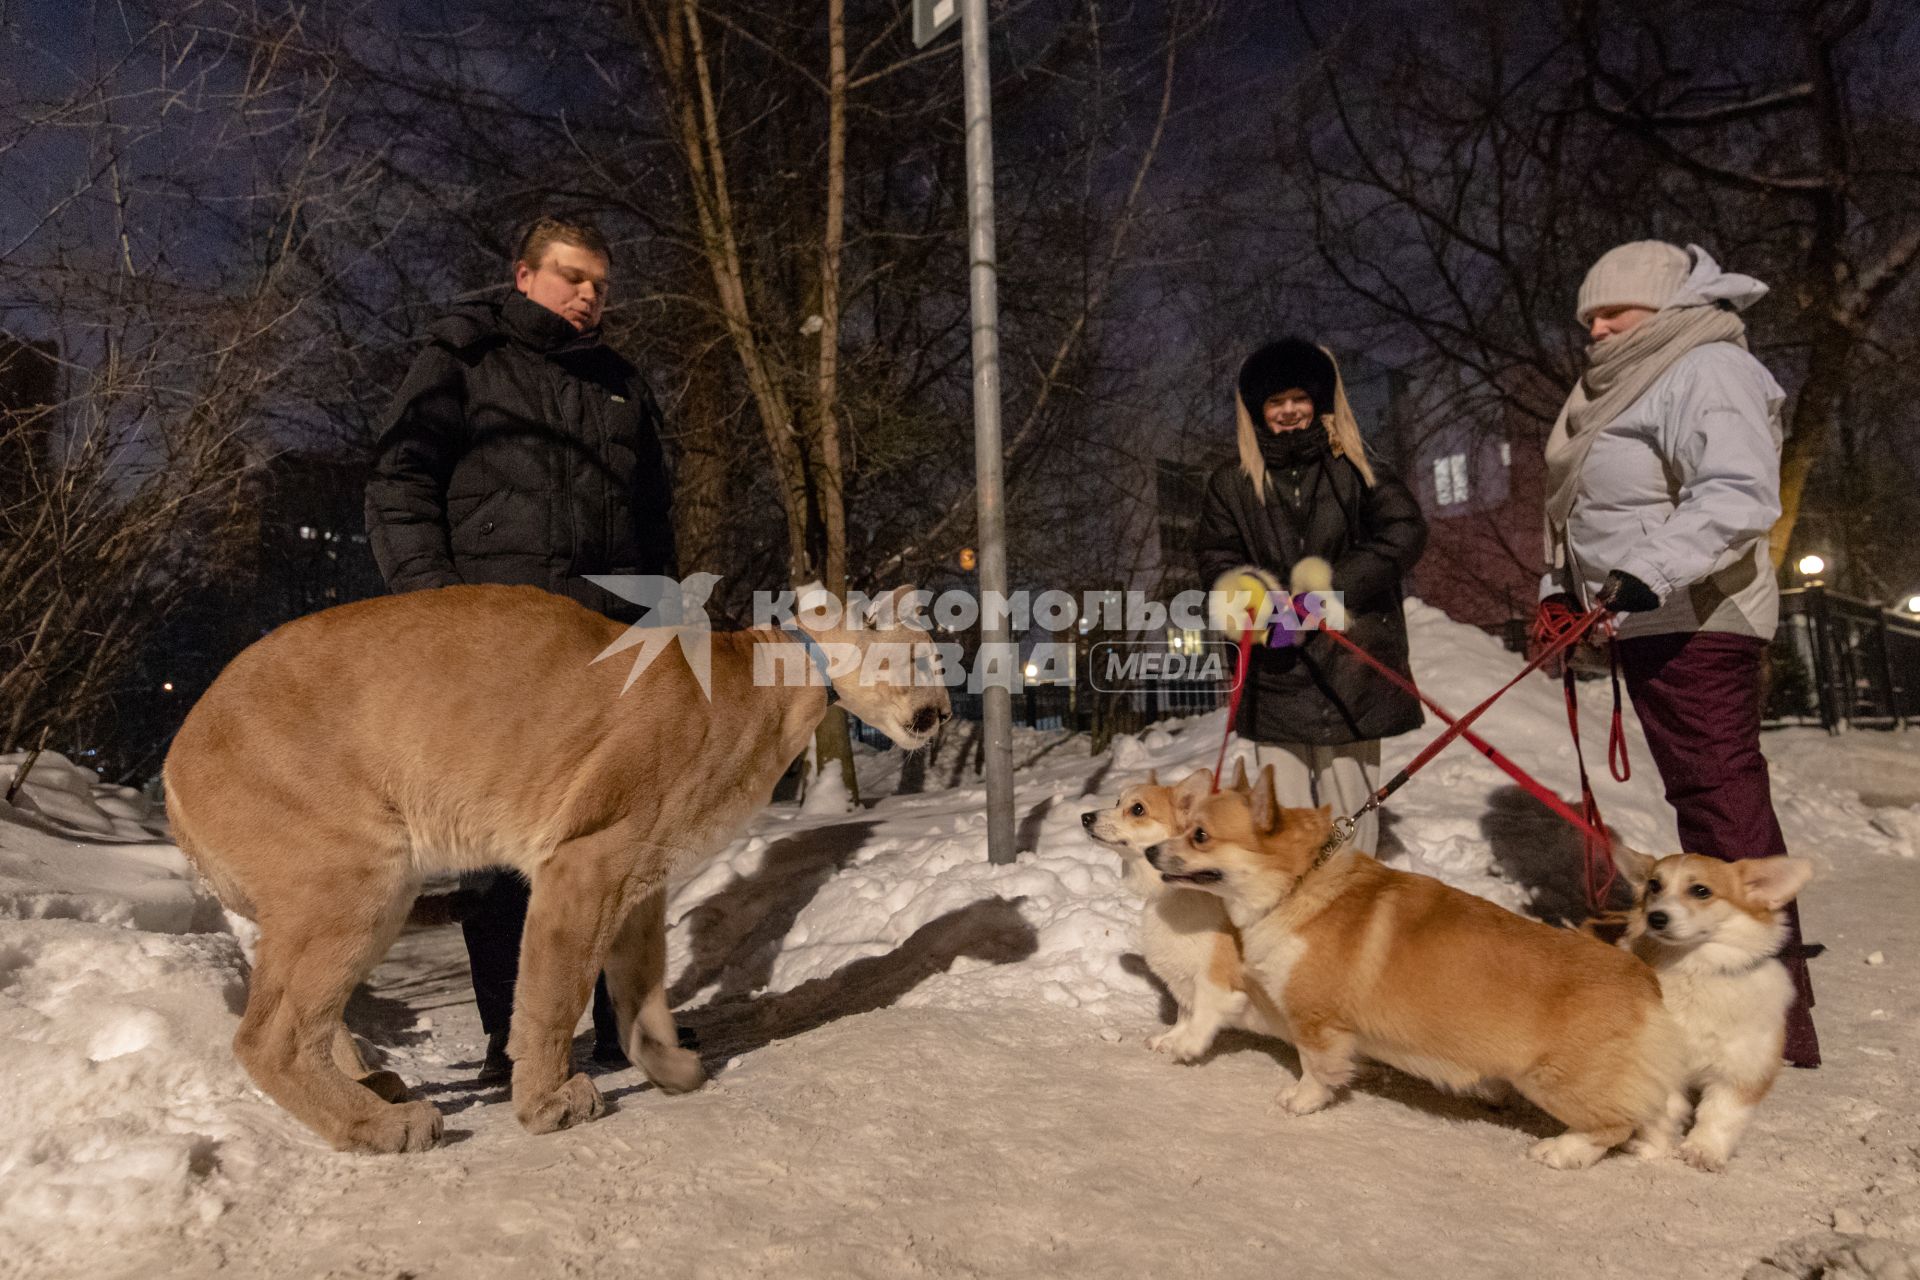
(1681, 489)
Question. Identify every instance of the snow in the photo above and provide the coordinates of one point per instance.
(928, 1063)
(118, 994)
(1874, 774)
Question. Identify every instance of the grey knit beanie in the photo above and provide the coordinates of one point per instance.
(1645, 273)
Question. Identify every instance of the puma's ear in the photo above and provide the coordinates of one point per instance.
(1265, 810)
(1191, 790)
(1774, 882)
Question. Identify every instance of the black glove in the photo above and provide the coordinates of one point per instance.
(1624, 593)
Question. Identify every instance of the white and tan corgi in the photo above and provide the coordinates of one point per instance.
(1710, 930)
(1185, 935)
(1363, 960)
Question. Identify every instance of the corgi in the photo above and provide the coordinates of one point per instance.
(1185, 936)
(1365, 960)
(1710, 931)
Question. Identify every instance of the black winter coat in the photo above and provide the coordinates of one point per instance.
(519, 451)
(1317, 693)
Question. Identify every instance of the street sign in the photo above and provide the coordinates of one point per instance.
(931, 18)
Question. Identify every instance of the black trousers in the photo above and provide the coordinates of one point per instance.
(493, 926)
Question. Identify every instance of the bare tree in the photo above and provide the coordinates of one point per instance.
(1786, 133)
(1456, 177)
(176, 295)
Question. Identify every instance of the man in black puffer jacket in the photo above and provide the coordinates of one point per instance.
(521, 449)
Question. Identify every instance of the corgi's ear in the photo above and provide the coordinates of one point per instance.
(1265, 808)
(1774, 882)
(1153, 777)
(1239, 775)
(1191, 790)
(1634, 865)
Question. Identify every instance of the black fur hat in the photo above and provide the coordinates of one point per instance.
(1290, 362)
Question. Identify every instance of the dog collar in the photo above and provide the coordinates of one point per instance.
(817, 655)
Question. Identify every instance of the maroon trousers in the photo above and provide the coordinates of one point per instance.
(1698, 696)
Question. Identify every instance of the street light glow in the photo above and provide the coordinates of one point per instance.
(1913, 604)
(1812, 564)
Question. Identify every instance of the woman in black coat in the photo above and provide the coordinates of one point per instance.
(1304, 487)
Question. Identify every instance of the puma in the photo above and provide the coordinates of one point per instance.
(343, 757)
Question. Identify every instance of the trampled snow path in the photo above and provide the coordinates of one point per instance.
(927, 1065)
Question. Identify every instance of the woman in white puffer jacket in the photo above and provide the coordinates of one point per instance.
(1663, 482)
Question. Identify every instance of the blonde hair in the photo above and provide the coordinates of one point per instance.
(545, 232)
(1343, 434)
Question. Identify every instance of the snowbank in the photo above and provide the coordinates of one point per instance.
(117, 1005)
(126, 1114)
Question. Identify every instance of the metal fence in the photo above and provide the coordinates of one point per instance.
(1837, 661)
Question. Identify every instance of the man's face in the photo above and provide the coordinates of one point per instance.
(570, 281)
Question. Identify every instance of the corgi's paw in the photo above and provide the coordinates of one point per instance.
(1644, 1148)
(1304, 1097)
(1568, 1151)
(1184, 1043)
(1703, 1157)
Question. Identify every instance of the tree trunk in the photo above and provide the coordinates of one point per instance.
(700, 480)
(1813, 415)
(833, 743)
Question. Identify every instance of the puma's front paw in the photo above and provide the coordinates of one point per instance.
(573, 1102)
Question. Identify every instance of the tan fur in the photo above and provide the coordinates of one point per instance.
(1365, 960)
(340, 759)
(1714, 956)
(1185, 936)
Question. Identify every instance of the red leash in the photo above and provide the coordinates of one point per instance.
(1233, 699)
(1456, 728)
(1534, 788)
(1598, 870)
(1597, 854)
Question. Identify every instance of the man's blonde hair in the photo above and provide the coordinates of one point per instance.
(547, 231)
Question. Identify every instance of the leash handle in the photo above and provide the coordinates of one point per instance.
(1617, 763)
